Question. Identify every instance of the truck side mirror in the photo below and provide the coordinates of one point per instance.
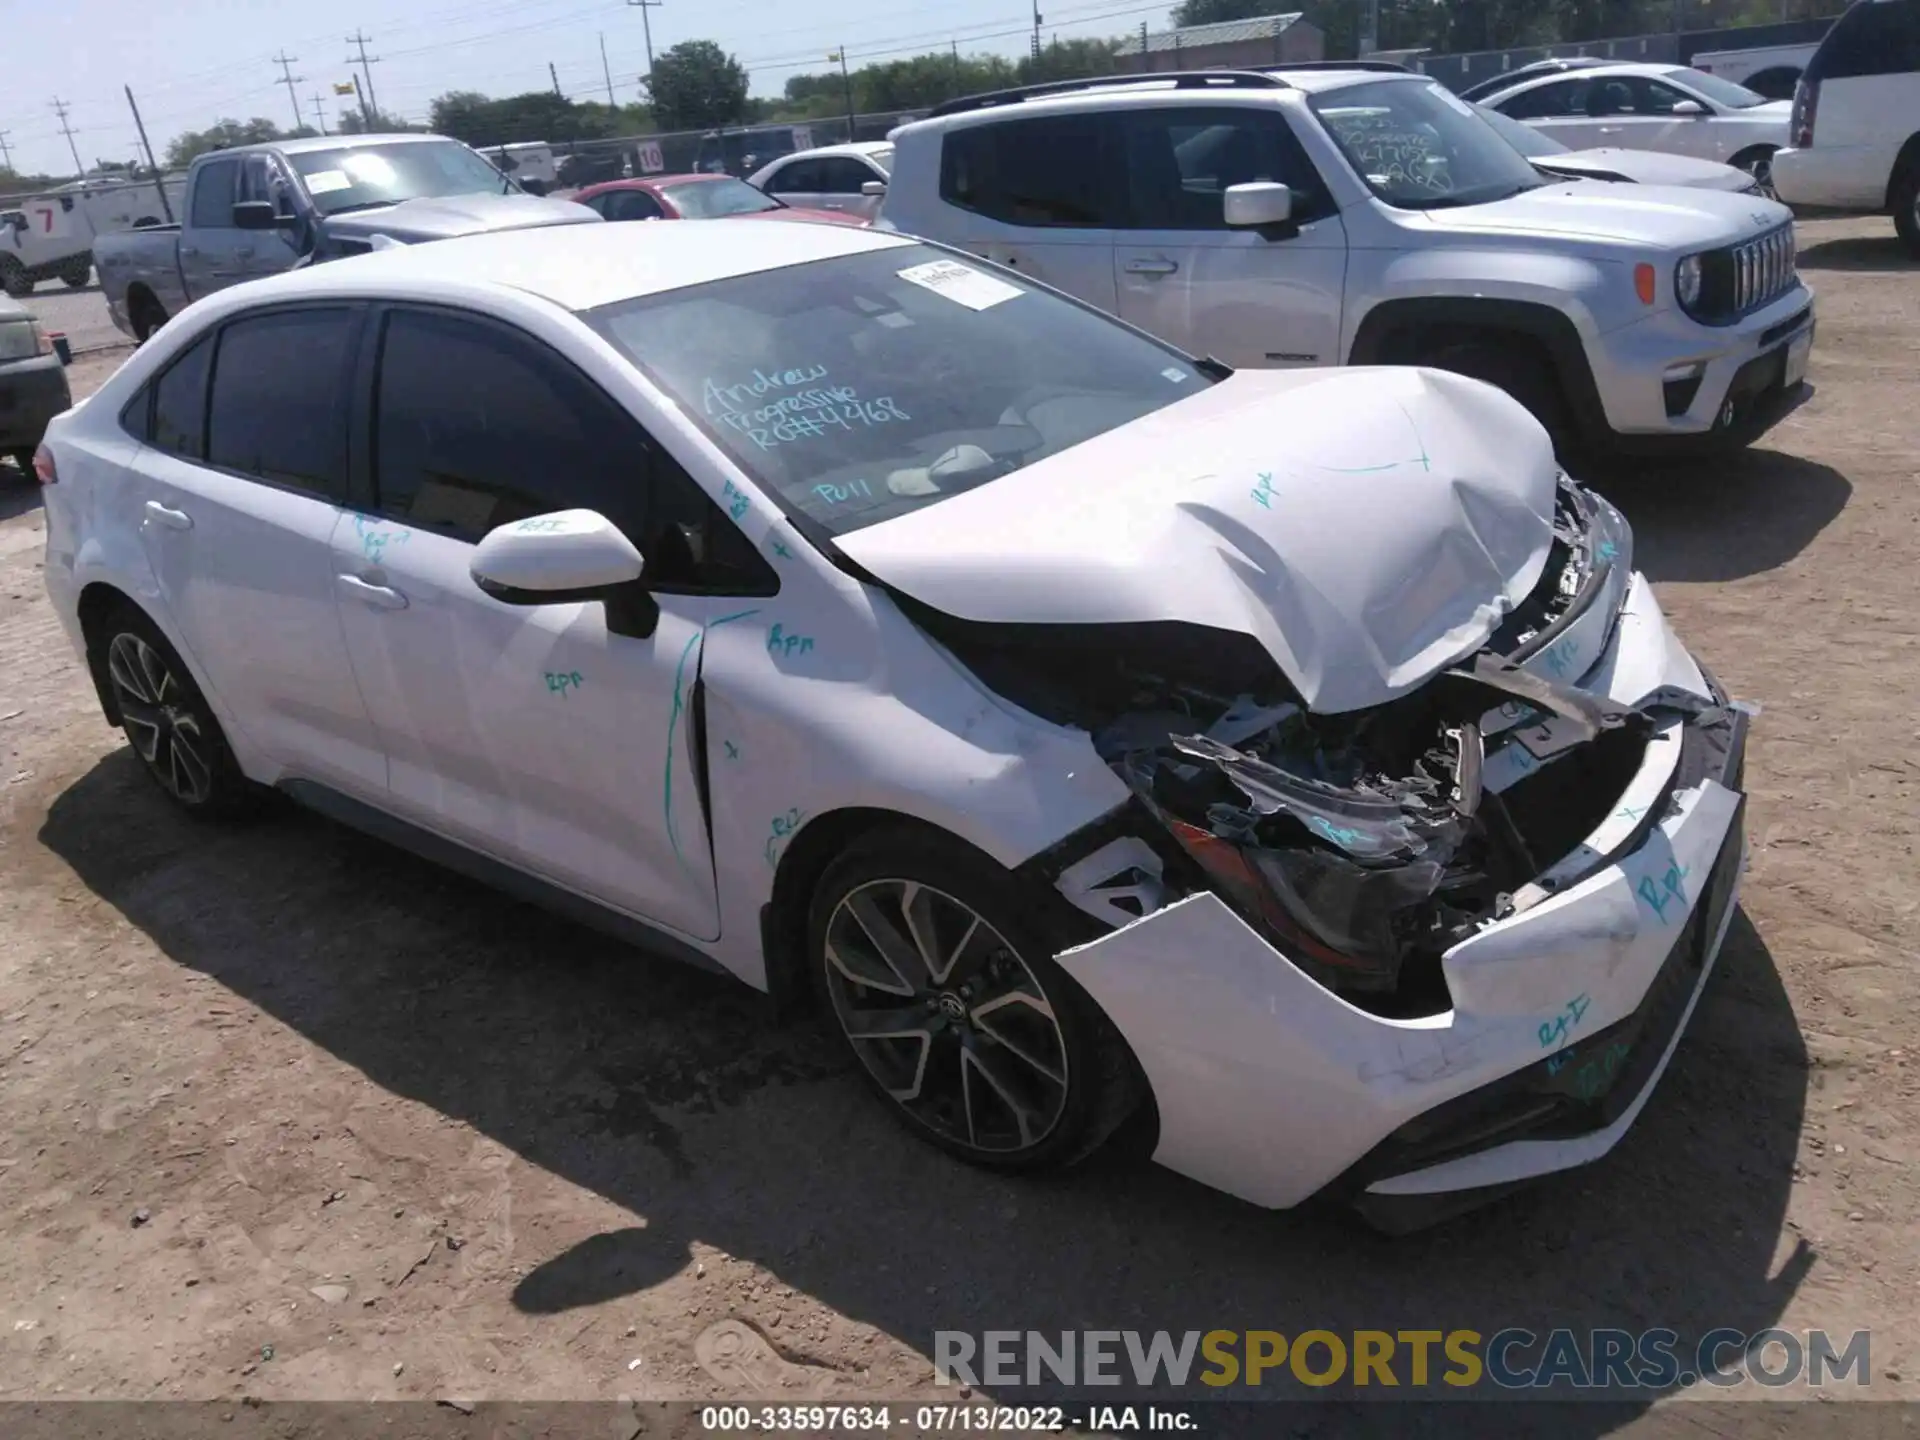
(260, 215)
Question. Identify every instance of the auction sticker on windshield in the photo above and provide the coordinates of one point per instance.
(325, 182)
(961, 284)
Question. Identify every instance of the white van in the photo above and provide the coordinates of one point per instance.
(1769, 70)
(1854, 139)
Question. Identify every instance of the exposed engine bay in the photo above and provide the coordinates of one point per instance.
(1362, 844)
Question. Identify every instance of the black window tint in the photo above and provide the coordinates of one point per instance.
(802, 176)
(1879, 38)
(1563, 97)
(1180, 163)
(213, 195)
(475, 427)
(279, 398)
(635, 205)
(1052, 171)
(1651, 97)
(180, 403)
(842, 176)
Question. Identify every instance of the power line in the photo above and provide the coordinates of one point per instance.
(368, 105)
(289, 79)
(60, 109)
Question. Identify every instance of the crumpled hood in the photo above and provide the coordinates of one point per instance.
(1367, 527)
(1650, 167)
(446, 216)
(1655, 218)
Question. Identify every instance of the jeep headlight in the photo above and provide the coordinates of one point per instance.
(1686, 283)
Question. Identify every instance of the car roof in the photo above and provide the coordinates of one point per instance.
(647, 182)
(307, 144)
(580, 267)
(1152, 89)
(1594, 72)
(851, 147)
(1314, 81)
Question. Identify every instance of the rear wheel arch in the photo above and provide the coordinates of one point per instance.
(1906, 163)
(99, 603)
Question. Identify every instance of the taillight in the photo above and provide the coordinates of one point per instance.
(1806, 108)
(43, 470)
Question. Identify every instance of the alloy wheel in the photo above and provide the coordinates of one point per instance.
(160, 719)
(1761, 168)
(946, 1016)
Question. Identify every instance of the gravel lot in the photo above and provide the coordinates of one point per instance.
(82, 314)
(284, 1087)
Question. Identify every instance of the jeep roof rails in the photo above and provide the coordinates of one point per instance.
(1180, 79)
(1392, 67)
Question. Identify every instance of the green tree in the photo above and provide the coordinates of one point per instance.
(219, 136)
(481, 120)
(355, 122)
(696, 84)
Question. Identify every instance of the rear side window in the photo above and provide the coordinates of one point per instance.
(213, 194)
(1055, 170)
(179, 397)
(278, 406)
(1875, 37)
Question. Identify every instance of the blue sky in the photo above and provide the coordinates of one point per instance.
(192, 61)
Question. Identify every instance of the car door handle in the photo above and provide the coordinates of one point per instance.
(1152, 267)
(380, 597)
(169, 517)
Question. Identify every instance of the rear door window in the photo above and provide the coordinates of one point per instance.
(1058, 170)
(279, 395)
(1562, 98)
(1875, 37)
(179, 418)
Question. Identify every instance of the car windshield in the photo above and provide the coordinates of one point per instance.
(1721, 92)
(1524, 138)
(716, 199)
(866, 386)
(882, 158)
(361, 176)
(1420, 147)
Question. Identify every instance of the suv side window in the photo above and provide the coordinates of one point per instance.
(799, 177)
(476, 425)
(1876, 39)
(170, 412)
(213, 194)
(1055, 170)
(1181, 161)
(1563, 97)
(279, 395)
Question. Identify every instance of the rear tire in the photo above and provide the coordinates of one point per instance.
(14, 278)
(146, 317)
(976, 1039)
(77, 274)
(1519, 368)
(1906, 207)
(167, 720)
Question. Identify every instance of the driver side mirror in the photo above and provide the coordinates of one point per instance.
(260, 215)
(1689, 110)
(872, 188)
(1261, 205)
(570, 555)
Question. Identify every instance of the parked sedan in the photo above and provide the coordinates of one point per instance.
(1637, 167)
(848, 178)
(33, 383)
(1654, 107)
(695, 197)
(1290, 757)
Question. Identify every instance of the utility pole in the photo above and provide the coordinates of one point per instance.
(289, 79)
(554, 76)
(1036, 31)
(6, 155)
(319, 115)
(607, 71)
(956, 67)
(368, 105)
(646, 26)
(60, 109)
(1144, 67)
(1370, 37)
(166, 205)
(846, 81)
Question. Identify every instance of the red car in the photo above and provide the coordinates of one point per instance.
(695, 197)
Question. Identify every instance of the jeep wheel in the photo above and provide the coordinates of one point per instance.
(14, 278)
(77, 273)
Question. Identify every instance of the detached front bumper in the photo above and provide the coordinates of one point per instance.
(1672, 386)
(1565, 1013)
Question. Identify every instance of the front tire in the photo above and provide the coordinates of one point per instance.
(168, 721)
(77, 273)
(1906, 207)
(1759, 164)
(14, 278)
(1522, 370)
(939, 977)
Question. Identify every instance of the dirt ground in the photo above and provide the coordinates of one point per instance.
(286, 1113)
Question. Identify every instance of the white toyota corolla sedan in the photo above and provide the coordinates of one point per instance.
(1290, 763)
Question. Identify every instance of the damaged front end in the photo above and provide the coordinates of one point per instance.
(1365, 845)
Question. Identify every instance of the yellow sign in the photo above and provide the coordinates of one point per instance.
(345, 88)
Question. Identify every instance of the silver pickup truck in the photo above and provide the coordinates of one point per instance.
(256, 210)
